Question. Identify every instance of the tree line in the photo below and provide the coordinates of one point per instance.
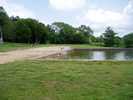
(19, 30)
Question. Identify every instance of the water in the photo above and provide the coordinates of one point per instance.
(99, 55)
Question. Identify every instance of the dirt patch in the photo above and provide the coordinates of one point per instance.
(33, 53)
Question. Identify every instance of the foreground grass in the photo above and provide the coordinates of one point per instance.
(60, 80)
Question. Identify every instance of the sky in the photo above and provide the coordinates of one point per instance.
(98, 14)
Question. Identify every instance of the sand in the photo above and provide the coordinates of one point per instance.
(33, 53)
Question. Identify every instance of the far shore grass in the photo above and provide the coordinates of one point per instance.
(18, 46)
(13, 46)
(84, 46)
(66, 80)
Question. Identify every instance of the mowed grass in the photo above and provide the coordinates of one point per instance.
(85, 46)
(13, 46)
(66, 80)
(17, 46)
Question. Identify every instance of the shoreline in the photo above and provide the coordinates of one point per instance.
(103, 49)
(32, 53)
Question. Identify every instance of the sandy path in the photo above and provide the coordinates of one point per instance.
(33, 53)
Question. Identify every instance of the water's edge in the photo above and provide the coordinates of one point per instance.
(104, 49)
(66, 52)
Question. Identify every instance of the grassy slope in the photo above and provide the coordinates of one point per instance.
(55, 80)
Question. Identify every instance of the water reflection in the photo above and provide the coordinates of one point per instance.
(79, 54)
(129, 55)
(100, 55)
(120, 56)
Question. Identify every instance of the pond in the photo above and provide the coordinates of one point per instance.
(99, 55)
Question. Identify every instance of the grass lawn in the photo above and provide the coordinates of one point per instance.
(83, 46)
(66, 80)
(14, 46)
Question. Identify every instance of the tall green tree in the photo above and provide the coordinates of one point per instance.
(29, 31)
(22, 32)
(38, 30)
(62, 33)
(87, 32)
(109, 37)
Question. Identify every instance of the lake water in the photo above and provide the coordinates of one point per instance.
(99, 55)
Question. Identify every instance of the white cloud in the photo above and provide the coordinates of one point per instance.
(66, 5)
(105, 16)
(129, 8)
(14, 9)
(99, 19)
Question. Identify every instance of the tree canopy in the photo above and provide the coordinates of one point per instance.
(28, 30)
(128, 40)
(109, 37)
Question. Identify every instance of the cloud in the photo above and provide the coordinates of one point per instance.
(102, 16)
(99, 19)
(129, 8)
(66, 5)
(14, 9)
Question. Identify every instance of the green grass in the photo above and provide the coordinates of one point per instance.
(14, 46)
(66, 80)
(83, 46)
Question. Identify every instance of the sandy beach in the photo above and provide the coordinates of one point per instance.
(33, 53)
